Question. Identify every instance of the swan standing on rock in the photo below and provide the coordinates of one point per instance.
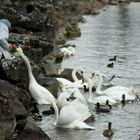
(40, 94)
(116, 92)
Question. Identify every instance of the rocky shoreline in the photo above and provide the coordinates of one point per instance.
(39, 27)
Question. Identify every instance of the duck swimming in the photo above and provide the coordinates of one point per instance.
(108, 132)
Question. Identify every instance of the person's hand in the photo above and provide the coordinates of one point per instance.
(13, 47)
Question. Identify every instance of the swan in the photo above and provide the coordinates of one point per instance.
(108, 132)
(69, 51)
(94, 82)
(100, 99)
(68, 116)
(77, 83)
(73, 114)
(65, 94)
(116, 92)
(40, 94)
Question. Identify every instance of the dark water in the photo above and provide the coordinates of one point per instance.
(116, 31)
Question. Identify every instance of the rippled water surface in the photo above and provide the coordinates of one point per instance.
(116, 31)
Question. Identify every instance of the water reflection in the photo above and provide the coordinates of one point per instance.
(115, 31)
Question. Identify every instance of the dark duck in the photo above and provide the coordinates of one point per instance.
(103, 108)
(108, 132)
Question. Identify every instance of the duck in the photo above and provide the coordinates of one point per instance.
(113, 59)
(102, 109)
(110, 65)
(108, 132)
(40, 94)
(116, 92)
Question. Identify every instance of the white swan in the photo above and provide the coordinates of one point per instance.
(40, 94)
(94, 82)
(43, 96)
(116, 92)
(67, 93)
(69, 51)
(100, 99)
(77, 83)
(73, 114)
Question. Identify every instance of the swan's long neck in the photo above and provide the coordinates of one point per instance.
(74, 75)
(56, 111)
(90, 88)
(31, 77)
(98, 89)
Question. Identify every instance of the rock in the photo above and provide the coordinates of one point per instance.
(31, 131)
(73, 30)
(11, 109)
(47, 64)
(51, 84)
(7, 119)
(15, 71)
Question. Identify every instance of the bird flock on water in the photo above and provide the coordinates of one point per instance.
(71, 108)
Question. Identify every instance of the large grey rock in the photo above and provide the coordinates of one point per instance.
(10, 109)
(31, 132)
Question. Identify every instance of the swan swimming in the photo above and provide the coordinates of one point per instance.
(73, 114)
(67, 93)
(116, 92)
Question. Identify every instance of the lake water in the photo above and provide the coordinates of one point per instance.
(116, 31)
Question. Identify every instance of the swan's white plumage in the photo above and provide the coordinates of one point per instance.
(40, 94)
(115, 92)
(66, 93)
(73, 114)
(102, 100)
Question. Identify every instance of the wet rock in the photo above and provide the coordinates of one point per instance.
(11, 108)
(16, 72)
(31, 131)
(7, 119)
(51, 84)
(47, 65)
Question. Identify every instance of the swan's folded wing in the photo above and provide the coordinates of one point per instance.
(67, 115)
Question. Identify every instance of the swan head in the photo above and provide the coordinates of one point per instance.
(80, 71)
(98, 73)
(19, 50)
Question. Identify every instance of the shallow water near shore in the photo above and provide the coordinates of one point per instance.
(116, 31)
